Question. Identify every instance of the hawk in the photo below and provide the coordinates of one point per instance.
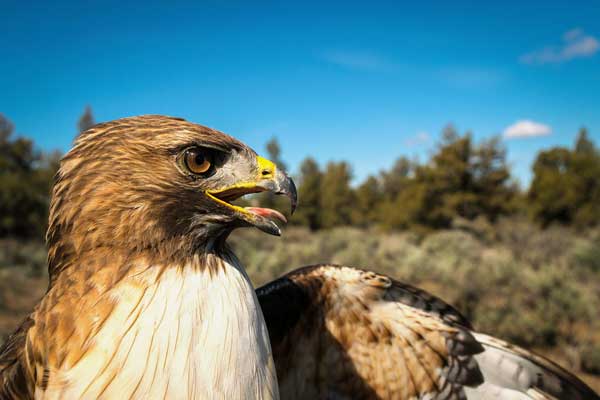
(146, 299)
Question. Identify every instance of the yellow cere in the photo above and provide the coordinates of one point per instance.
(265, 165)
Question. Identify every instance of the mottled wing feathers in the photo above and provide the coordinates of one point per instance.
(343, 333)
(418, 298)
(14, 382)
(339, 332)
(510, 370)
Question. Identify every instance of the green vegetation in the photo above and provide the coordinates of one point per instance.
(537, 288)
(25, 181)
(566, 186)
(86, 121)
(462, 180)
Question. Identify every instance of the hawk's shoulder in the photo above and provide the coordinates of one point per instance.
(14, 382)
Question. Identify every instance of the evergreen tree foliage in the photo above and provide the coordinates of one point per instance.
(566, 185)
(25, 180)
(397, 178)
(368, 199)
(461, 180)
(583, 144)
(337, 200)
(274, 152)
(309, 194)
(491, 180)
(86, 121)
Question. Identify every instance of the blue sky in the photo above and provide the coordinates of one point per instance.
(364, 82)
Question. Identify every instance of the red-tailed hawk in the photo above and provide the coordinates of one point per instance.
(146, 300)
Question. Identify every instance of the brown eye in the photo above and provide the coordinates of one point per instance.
(197, 160)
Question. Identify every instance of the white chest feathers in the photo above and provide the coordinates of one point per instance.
(189, 335)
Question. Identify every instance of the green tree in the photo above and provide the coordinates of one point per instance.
(309, 194)
(274, 152)
(399, 205)
(460, 180)
(25, 179)
(586, 169)
(86, 121)
(368, 199)
(336, 195)
(395, 180)
(552, 193)
(583, 144)
(6, 128)
(566, 185)
(447, 181)
(491, 180)
(409, 209)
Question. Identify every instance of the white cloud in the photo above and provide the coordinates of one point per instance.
(527, 128)
(357, 60)
(418, 139)
(576, 44)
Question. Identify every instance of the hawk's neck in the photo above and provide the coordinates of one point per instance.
(168, 331)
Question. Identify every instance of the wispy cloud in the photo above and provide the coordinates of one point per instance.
(471, 77)
(418, 139)
(526, 128)
(575, 44)
(357, 60)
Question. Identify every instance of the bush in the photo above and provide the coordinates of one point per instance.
(587, 255)
(590, 360)
(530, 286)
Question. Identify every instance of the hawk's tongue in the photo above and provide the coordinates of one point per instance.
(267, 213)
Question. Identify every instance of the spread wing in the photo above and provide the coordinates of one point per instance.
(344, 333)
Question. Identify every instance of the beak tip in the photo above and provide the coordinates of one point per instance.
(293, 196)
(275, 230)
(287, 187)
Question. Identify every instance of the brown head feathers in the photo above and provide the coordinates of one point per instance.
(121, 188)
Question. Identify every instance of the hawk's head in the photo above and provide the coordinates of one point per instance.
(147, 181)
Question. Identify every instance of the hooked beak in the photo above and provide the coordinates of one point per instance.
(270, 179)
(282, 185)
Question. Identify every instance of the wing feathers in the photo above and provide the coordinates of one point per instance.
(340, 332)
(511, 367)
(14, 382)
(463, 343)
(390, 339)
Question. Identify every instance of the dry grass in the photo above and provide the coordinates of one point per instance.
(540, 289)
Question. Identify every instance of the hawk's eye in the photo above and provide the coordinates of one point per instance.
(197, 161)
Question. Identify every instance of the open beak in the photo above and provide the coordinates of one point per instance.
(271, 180)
